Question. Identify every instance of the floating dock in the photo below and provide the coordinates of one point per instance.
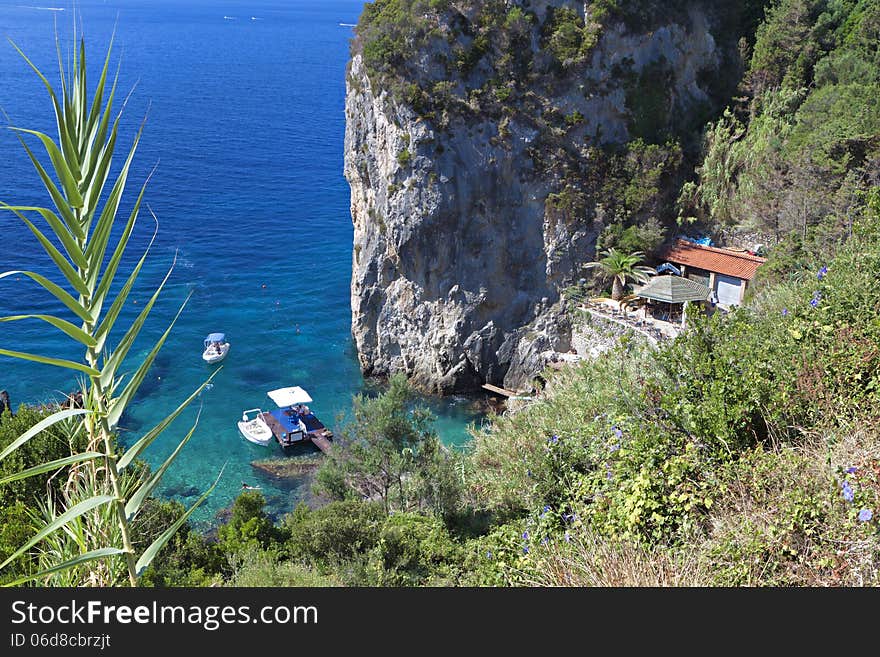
(288, 434)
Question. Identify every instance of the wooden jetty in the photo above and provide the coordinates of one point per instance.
(322, 442)
(500, 391)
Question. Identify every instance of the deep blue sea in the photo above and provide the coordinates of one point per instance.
(244, 110)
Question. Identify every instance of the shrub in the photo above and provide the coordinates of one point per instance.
(414, 550)
(249, 527)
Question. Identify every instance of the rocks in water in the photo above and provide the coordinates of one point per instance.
(285, 469)
(180, 490)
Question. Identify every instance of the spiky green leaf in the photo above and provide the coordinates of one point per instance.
(52, 465)
(58, 228)
(42, 425)
(150, 553)
(74, 512)
(56, 291)
(46, 360)
(69, 180)
(92, 555)
(134, 504)
(70, 329)
(135, 450)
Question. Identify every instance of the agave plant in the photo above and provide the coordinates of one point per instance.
(81, 220)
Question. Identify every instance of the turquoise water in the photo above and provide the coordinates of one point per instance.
(244, 107)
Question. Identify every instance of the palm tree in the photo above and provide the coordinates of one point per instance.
(622, 267)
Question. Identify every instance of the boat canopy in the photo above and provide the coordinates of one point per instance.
(289, 396)
(215, 337)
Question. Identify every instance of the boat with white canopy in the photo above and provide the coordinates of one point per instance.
(216, 348)
(291, 423)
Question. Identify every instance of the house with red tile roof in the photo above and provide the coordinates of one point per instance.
(727, 272)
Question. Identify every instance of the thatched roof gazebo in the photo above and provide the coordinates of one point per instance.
(673, 290)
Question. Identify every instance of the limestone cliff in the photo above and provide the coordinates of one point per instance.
(483, 157)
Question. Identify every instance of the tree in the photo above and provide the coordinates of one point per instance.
(88, 529)
(388, 453)
(622, 267)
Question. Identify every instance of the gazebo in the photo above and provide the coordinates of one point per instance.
(672, 292)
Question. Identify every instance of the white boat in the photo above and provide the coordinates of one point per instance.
(255, 429)
(291, 423)
(216, 348)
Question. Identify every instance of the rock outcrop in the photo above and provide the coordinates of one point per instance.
(472, 215)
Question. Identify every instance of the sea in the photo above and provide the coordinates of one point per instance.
(242, 108)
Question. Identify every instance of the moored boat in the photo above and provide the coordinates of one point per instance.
(293, 422)
(216, 348)
(255, 428)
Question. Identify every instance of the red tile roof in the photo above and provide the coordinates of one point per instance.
(739, 264)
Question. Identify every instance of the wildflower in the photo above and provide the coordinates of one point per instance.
(615, 447)
(489, 554)
(865, 515)
(618, 433)
(814, 302)
(525, 549)
(567, 537)
(528, 473)
(784, 312)
(525, 535)
(545, 540)
(553, 440)
(851, 469)
(822, 272)
(848, 494)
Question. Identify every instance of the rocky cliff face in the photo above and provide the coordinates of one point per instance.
(474, 208)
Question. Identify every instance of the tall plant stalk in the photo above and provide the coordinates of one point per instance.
(82, 220)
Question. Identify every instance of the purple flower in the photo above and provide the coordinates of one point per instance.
(567, 537)
(545, 540)
(814, 302)
(528, 473)
(851, 469)
(848, 494)
(525, 549)
(608, 474)
(865, 515)
(822, 272)
(784, 312)
(489, 554)
(525, 535)
(553, 440)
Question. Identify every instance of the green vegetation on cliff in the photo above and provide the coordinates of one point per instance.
(534, 71)
(796, 155)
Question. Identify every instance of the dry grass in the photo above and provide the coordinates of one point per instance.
(590, 560)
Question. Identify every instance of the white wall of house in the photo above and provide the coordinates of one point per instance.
(729, 290)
